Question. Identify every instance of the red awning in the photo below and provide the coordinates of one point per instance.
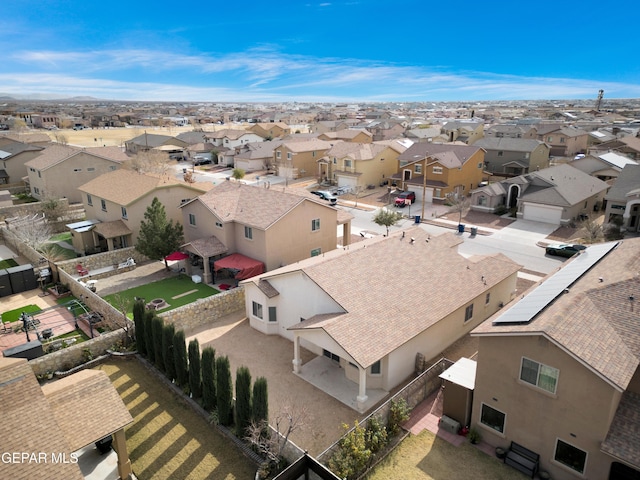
(176, 256)
(244, 266)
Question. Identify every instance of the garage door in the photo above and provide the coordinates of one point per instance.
(542, 213)
(347, 181)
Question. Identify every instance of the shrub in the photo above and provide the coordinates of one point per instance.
(352, 456)
(168, 332)
(260, 402)
(208, 367)
(138, 320)
(195, 379)
(148, 335)
(398, 414)
(376, 435)
(180, 359)
(157, 324)
(224, 392)
(243, 401)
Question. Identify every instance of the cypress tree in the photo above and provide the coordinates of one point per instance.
(157, 324)
(195, 379)
(224, 391)
(260, 401)
(208, 367)
(138, 320)
(149, 315)
(168, 331)
(243, 401)
(180, 357)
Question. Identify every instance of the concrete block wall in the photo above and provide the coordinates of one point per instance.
(206, 310)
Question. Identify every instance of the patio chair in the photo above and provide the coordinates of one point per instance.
(82, 271)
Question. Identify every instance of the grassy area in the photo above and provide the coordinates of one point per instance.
(428, 457)
(14, 315)
(168, 439)
(61, 237)
(176, 291)
(8, 263)
(59, 253)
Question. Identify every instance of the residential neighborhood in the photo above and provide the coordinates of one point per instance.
(356, 258)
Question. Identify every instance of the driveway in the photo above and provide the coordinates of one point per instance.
(525, 231)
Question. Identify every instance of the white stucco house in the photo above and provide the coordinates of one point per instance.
(369, 309)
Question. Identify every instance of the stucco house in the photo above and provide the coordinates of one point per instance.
(623, 199)
(563, 140)
(557, 371)
(439, 170)
(115, 204)
(605, 166)
(269, 131)
(367, 322)
(295, 159)
(513, 156)
(231, 138)
(270, 225)
(13, 156)
(628, 146)
(60, 169)
(151, 141)
(386, 129)
(256, 155)
(348, 135)
(466, 131)
(557, 195)
(509, 130)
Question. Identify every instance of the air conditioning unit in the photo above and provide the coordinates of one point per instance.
(449, 424)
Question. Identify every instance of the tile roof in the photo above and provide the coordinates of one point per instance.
(15, 147)
(510, 144)
(115, 228)
(123, 187)
(628, 180)
(594, 321)
(150, 140)
(250, 205)
(230, 133)
(450, 155)
(268, 289)
(84, 423)
(55, 153)
(206, 247)
(308, 145)
(356, 151)
(421, 267)
(623, 438)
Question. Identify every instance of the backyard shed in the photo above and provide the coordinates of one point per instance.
(459, 383)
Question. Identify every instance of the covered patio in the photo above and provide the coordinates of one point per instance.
(206, 249)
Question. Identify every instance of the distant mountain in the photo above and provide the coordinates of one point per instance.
(5, 97)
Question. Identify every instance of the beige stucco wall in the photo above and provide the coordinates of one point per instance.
(579, 413)
(371, 171)
(539, 158)
(14, 165)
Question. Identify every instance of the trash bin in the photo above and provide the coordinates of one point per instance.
(184, 170)
(417, 219)
(474, 231)
(461, 228)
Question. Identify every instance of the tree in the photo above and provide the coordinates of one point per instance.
(168, 332)
(158, 236)
(180, 358)
(238, 173)
(594, 230)
(149, 315)
(352, 456)
(157, 325)
(459, 204)
(208, 367)
(54, 208)
(122, 304)
(260, 402)
(613, 230)
(195, 378)
(149, 161)
(224, 391)
(138, 320)
(32, 229)
(386, 218)
(243, 401)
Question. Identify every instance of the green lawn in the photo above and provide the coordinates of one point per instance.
(60, 237)
(14, 315)
(168, 439)
(176, 291)
(8, 263)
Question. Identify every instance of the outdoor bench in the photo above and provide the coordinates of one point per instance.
(522, 459)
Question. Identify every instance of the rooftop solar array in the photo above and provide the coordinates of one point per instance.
(526, 309)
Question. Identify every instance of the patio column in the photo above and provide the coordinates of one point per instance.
(207, 270)
(346, 234)
(110, 244)
(297, 363)
(124, 464)
(362, 387)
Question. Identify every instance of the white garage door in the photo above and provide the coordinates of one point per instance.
(542, 213)
(347, 181)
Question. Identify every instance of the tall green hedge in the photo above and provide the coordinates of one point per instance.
(195, 379)
(260, 402)
(168, 331)
(208, 367)
(138, 320)
(157, 324)
(180, 357)
(224, 391)
(243, 401)
(149, 315)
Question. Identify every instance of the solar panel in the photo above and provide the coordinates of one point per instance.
(526, 309)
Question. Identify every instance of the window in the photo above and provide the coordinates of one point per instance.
(437, 170)
(315, 224)
(77, 169)
(549, 139)
(272, 314)
(315, 252)
(417, 168)
(257, 310)
(36, 190)
(219, 224)
(375, 368)
(571, 456)
(248, 233)
(103, 204)
(539, 375)
(482, 200)
(480, 165)
(39, 174)
(192, 219)
(89, 200)
(492, 418)
(31, 169)
(278, 154)
(313, 154)
(335, 161)
(112, 167)
(500, 153)
(468, 313)
(561, 139)
(288, 155)
(487, 298)
(124, 212)
(347, 163)
(91, 169)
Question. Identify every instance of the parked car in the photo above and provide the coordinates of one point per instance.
(201, 161)
(564, 249)
(401, 200)
(326, 195)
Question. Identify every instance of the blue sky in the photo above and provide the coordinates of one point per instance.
(353, 50)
